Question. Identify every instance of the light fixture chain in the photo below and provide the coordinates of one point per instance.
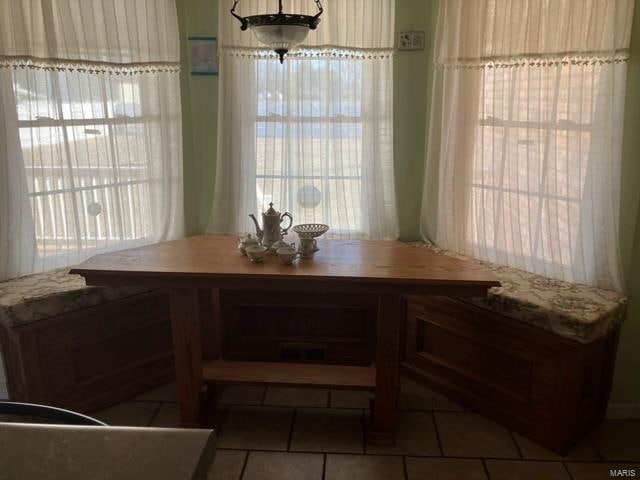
(243, 21)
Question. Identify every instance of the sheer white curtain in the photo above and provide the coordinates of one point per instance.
(91, 155)
(315, 135)
(525, 137)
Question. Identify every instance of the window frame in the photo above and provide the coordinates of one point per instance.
(480, 188)
(110, 123)
(285, 120)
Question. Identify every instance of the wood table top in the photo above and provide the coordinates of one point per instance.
(211, 257)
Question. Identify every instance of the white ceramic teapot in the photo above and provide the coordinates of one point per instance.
(271, 230)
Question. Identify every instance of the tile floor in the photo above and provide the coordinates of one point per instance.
(290, 434)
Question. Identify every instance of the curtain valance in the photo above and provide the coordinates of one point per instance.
(533, 32)
(345, 24)
(120, 36)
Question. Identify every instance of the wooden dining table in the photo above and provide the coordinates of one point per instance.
(193, 269)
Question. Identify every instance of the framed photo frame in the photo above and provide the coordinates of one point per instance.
(204, 55)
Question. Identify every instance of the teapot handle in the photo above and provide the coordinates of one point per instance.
(288, 215)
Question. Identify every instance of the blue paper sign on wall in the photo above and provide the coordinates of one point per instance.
(204, 55)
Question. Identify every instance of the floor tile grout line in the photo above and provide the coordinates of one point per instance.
(155, 414)
(325, 407)
(330, 452)
(567, 470)
(486, 468)
(224, 414)
(515, 443)
(364, 431)
(244, 465)
(435, 427)
(291, 427)
(144, 400)
(594, 445)
(222, 422)
(262, 404)
(324, 466)
(416, 455)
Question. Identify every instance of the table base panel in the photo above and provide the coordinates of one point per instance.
(289, 374)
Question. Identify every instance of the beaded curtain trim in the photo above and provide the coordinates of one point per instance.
(87, 66)
(551, 60)
(316, 52)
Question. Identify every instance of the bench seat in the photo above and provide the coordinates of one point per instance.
(81, 347)
(536, 355)
(573, 311)
(31, 298)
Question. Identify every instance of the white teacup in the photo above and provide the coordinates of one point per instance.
(256, 253)
(280, 244)
(308, 247)
(287, 255)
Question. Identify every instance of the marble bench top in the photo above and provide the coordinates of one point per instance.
(574, 311)
(27, 299)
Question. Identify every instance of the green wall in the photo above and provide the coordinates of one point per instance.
(626, 385)
(412, 83)
(200, 116)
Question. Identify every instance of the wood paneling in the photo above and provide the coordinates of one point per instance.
(258, 324)
(548, 388)
(92, 358)
(502, 371)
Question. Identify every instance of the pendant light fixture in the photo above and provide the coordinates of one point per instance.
(280, 31)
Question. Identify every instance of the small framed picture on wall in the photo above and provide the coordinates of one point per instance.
(204, 55)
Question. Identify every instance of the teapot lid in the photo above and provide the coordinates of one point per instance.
(271, 210)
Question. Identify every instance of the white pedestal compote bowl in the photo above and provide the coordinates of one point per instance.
(308, 232)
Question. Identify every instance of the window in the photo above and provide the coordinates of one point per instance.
(308, 146)
(533, 142)
(313, 135)
(526, 135)
(88, 159)
(90, 130)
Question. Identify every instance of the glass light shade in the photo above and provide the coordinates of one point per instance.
(281, 38)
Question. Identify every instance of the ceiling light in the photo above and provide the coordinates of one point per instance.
(280, 31)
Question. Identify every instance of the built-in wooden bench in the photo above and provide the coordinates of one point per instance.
(536, 354)
(82, 348)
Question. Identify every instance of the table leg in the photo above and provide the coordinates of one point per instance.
(187, 346)
(387, 369)
(211, 334)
